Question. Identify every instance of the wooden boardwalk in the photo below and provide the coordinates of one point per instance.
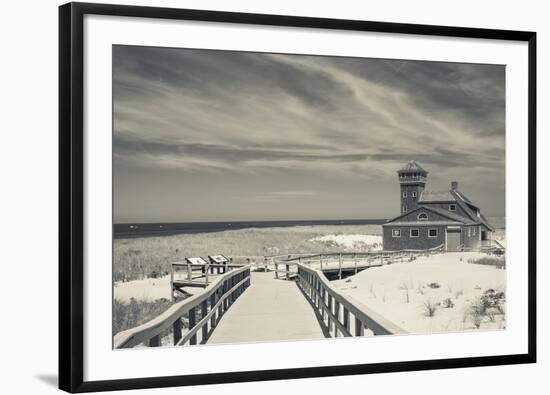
(240, 305)
(269, 310)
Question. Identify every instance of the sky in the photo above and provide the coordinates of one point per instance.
(205, 135)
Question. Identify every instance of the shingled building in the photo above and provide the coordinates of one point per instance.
(433, 219)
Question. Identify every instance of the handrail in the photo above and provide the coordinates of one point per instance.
(337, 307)
(184, 264)
(213, 302)
(348, 253)
(382, 256)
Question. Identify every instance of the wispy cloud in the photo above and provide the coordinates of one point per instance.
(265, 115)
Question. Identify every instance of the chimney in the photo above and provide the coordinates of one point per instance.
(454, 185)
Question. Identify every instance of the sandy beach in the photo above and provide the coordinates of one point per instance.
(428, 279)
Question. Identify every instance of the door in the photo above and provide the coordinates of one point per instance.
(483, 235)
(453, 239)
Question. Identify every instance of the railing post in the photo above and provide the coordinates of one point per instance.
(192, 323)
(346, 320)
(154, 341)
(226, 300)
(359, 328)
(189, 272)
(177, 331)
(321, 261)
(220, 307)
(213, 302)
(322, 294)
(330, 311)
(236, 291)
(206, 269)
(276, 270)
(287, 271)
(312, 293)
(204, 312)
(355, 262)
(172, 283)
(337, 315)
(340, 266)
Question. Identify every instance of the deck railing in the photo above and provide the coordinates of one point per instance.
(204, 270)
(337, 311)
(302, 257)
(340, 261)
(203, 312)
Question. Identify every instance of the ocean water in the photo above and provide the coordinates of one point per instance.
(131, 230)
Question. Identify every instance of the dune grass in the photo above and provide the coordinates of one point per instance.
(151, 257)
(136, 312)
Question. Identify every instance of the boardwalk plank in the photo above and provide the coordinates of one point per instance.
(269, 310)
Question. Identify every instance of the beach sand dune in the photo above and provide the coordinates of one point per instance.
(385, 289)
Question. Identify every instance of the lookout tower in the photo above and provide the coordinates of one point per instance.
(412, 179)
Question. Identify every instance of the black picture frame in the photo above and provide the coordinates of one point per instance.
(71, 195)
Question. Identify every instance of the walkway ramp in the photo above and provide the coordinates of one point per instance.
(269, 310)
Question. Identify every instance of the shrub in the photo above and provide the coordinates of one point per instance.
(434, 285)
(429, 308)
(492, 299)
(498, 262)
(489, 304)
(405, 287)
(476, 312)
(448, 303)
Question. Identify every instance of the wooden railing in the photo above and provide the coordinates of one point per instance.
(327, 261)
(337, 311)
(304, 257)
(204, 269)
(203, 312)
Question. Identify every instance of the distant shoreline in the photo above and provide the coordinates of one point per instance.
(135, 230)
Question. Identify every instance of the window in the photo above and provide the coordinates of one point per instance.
(413, 194)
(452, 207)
(404, 194)
(396, 233)
(422, 216)
(432, 233)
(469, 231)
(404, 209)
(474, 231)
(415, 233)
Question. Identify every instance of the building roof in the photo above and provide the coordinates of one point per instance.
(462, 197)
(455, 218)
(413, 166)
(471, 210)
(462, 200)
(436, 196)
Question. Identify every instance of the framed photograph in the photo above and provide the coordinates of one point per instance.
(251, 197)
